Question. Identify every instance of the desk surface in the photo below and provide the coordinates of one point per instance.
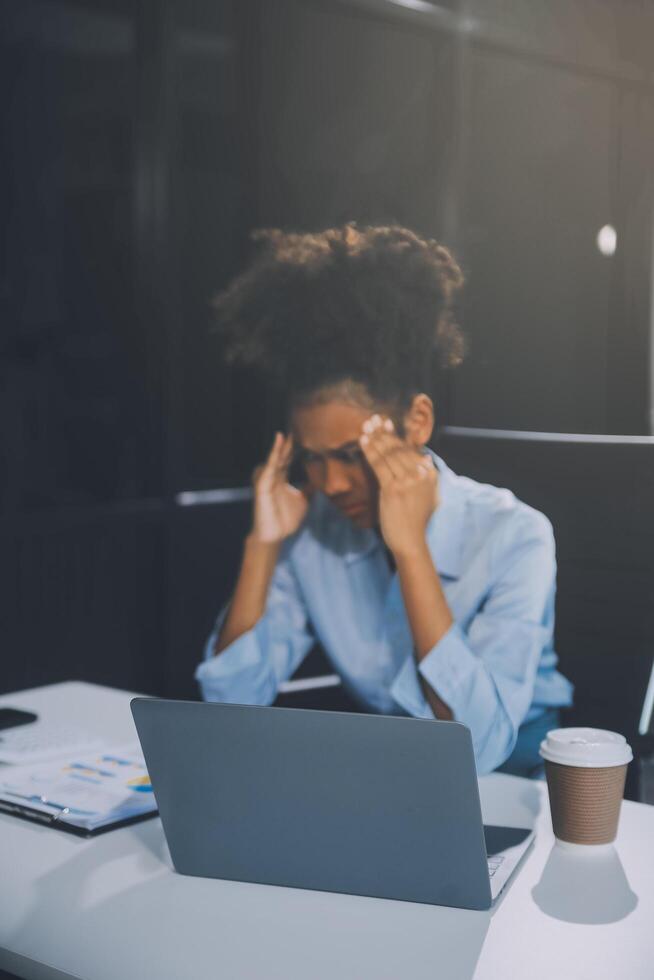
(113, 907)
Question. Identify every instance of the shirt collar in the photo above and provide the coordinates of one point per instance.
(361, 542)
(445, 529)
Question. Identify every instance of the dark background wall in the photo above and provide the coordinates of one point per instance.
(141, 142)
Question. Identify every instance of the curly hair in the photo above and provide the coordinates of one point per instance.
(370, 305)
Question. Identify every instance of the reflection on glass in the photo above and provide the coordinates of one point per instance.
(585, 888)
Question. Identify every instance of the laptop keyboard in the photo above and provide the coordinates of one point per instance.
(494, 863)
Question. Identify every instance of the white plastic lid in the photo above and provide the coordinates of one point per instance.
(585, 747)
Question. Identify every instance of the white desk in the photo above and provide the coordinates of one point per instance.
(113, 908)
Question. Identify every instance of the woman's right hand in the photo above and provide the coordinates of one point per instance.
(279, 508)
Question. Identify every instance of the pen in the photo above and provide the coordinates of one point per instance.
(34, 798)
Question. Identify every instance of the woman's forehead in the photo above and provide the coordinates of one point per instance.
(329, 425)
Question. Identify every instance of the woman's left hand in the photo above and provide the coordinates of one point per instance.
(408, 486)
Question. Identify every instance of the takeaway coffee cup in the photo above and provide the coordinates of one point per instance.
(586, 770)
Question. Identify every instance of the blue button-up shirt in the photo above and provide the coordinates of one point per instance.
(494, 668)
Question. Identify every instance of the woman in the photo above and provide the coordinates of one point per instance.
(432, 595)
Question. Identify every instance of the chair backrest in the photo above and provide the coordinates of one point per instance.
(598, 491)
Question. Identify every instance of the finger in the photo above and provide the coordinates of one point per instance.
(275, 449)
(426, 463)
(415, 464)
(413, 461)
(286, 452)
(373, 436)
(399, 457)
(283, 449)
(381, 429)
(376, 461)
(267, 470)
(391, 454)
(282, 462)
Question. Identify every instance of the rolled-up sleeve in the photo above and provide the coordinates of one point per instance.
(251, 668)
(486, 672)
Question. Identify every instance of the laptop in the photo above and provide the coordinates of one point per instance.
(363, 804)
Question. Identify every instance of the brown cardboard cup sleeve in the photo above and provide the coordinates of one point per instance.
(586, 770)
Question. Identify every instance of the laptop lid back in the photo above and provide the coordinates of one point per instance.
(363, 804)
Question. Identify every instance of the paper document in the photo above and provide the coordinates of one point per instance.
(89, 791)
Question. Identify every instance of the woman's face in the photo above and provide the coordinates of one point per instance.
(326, 438)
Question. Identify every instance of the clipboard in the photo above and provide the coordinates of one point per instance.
(88, 794)
(56, 822)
